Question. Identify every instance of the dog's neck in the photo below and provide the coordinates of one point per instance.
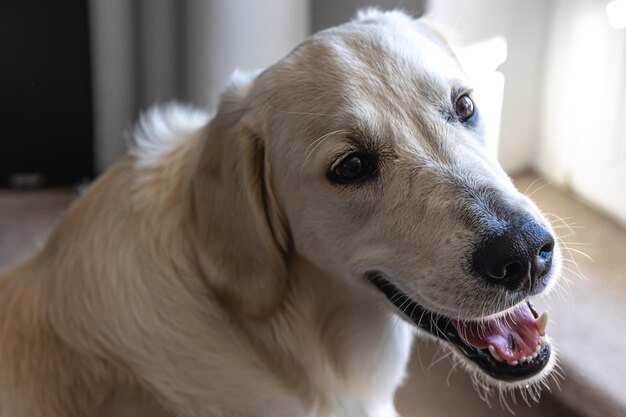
(339, 341)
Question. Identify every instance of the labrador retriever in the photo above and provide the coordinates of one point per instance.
(278, 257)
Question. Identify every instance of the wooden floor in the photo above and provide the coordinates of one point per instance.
(433, 389)
(26, 218)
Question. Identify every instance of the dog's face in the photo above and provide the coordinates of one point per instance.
(379, 164)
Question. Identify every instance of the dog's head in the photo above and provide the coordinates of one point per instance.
(380, 173)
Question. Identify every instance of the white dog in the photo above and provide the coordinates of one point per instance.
(273, 260)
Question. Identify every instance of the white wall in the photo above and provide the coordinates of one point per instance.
(523, 24)
(583, 142)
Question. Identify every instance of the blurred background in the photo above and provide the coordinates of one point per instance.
(550, 76)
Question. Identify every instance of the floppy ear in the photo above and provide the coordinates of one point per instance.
(242, 237)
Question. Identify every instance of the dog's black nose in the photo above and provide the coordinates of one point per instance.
(520, 257)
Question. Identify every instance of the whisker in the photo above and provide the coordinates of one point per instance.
(540, 188)
(581, 253)
(532, 183)
(317, 142)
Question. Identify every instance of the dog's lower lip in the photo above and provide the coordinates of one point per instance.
(442, 328)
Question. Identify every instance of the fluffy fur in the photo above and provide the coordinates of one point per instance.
(215, 271)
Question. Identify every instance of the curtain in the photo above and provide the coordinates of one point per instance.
(152, 51)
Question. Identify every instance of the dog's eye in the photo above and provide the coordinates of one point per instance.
(464, 107)
(355, 167)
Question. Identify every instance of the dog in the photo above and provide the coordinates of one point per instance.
(278, 257)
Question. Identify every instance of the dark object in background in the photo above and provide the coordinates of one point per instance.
(46, 133)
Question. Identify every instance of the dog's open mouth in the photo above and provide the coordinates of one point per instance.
(511, 347)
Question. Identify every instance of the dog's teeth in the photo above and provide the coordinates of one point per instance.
(512, 363)
(542, 341)
(493, 352)
(534, 355)
(538, 348)
(524, 359)
(542, 322)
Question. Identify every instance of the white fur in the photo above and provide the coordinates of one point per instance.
(160, 128)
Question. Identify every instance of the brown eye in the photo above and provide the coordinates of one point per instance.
(353, 168)
(464, 107)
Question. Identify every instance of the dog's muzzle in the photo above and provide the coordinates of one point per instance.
(509, 347)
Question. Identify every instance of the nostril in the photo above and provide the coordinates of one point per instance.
(543, 262)
(503, 270)
(545, 252)
(507, 272)
(512, 269)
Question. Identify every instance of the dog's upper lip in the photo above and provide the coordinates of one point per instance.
(503, 349)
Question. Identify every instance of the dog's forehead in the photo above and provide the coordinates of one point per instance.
(395, 76)
(372, 71)
(382, 58)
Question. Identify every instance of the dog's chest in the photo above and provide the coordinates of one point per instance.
(360, 372)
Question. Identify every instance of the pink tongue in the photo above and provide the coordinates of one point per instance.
(513, 335)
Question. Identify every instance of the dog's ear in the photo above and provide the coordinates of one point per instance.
(242, 236)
